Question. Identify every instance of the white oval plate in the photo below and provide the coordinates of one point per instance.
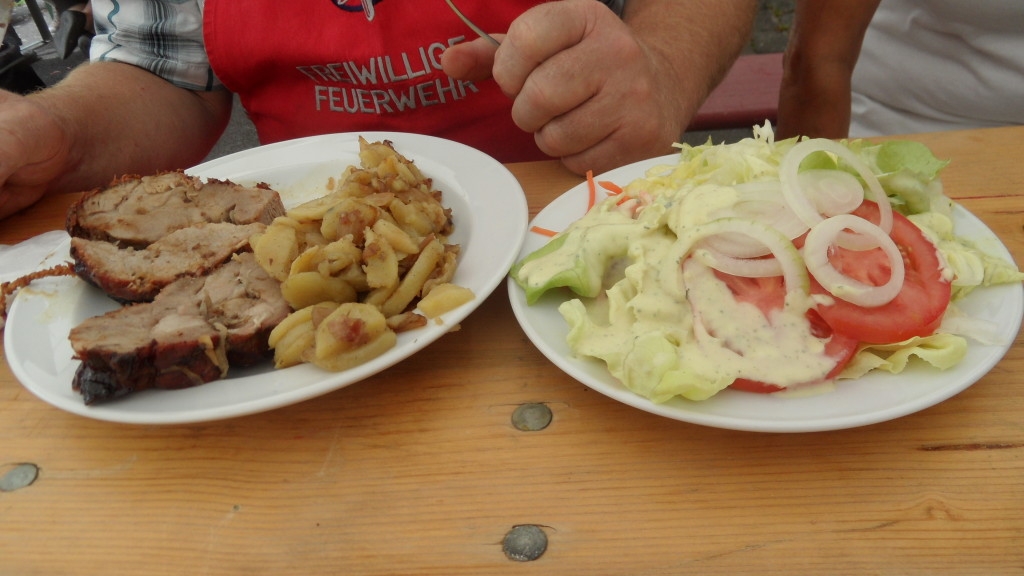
(873, 398)
(490, 213)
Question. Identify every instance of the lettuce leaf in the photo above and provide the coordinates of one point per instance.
(971, 267)
(940, 350)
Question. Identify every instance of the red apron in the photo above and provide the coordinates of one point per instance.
(306, 67)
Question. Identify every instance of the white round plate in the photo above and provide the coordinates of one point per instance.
(490, 213)
(873, 398)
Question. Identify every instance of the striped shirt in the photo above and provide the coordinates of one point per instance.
(164, 37)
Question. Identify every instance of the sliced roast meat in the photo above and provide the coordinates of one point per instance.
(193, 330)
(138, 274)
(137, 211)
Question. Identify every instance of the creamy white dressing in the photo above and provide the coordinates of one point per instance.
(780, 345)
(663, 323)
(666, 326)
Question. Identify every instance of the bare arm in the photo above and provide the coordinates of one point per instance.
(599, 92)
(105, 119)
(824, 44)
(697, 41)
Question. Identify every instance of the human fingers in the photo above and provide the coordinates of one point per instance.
(575, 49)
(470, 61)
(600, 102)
(631, 107)
(537, 35)
(600, 136)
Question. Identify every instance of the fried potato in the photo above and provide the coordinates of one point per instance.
(354, 263)
(308, 288)
(351, 335)
(406, 321)
(380, 262)
(413, 281)
(413, 217)
(275, 249)
(444, 298)
(349, 217)
(315, 209)
(339, 255)
(445, 271)
(398, 239)
(350, 326)
(296, 334)
(361, 355)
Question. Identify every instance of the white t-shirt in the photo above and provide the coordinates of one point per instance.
(930, 65)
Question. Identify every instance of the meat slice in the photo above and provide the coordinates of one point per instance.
(137, 211)
(138, 274)
(188, 335)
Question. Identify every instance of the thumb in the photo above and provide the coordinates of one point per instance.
(471, 61)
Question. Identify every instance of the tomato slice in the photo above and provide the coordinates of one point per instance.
(769, 294)
(839, 347)
(916, 311)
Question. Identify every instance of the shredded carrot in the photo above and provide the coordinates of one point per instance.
(542, 231)
(592, 189)
(623, 200)
(612, 188)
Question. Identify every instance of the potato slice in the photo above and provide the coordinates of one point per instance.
(308, 288)
(444, 298)
(414, 279)
(349, 217)
(275, 250)
(296, 334)
(380, 262)
(351, 335)
(398, 239)
(358, 356)
(355, 261)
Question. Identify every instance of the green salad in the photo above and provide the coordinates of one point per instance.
(767, 265)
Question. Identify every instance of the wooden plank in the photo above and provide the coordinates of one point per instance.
(418, 470)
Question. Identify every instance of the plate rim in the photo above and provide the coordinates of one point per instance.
(574, 367)
(466, 165)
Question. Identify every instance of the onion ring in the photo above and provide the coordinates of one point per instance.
(793, 271)
(816, 248)
(762, 201)
(802, 205)
(745, 267)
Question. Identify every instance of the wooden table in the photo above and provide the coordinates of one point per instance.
(419, 470)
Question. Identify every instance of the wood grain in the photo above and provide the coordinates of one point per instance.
(418, 470)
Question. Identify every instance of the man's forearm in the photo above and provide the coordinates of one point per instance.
(698, 39)
(120, 119)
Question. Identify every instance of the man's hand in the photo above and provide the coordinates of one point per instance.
(33, 150)
(600, 92)
(581, 81)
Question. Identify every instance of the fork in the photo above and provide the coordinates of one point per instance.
(470, 23)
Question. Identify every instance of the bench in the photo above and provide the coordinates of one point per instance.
(748, 95)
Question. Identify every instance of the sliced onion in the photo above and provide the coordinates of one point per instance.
(802, 205)
(824, 235)
(745, 267)
(832, 192)
(793, 271)
(763, 202)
